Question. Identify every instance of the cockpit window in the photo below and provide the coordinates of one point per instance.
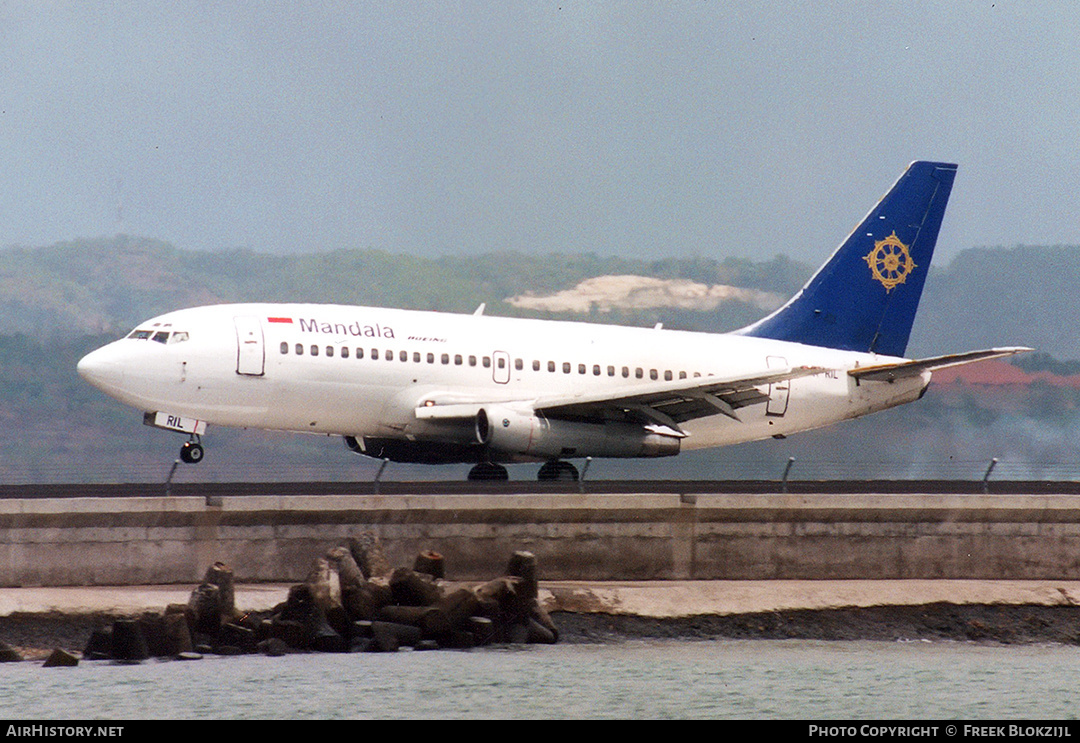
(161, 336)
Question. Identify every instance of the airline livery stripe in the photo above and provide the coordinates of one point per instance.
(280, 319)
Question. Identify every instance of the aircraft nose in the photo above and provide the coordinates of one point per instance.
(101, 369)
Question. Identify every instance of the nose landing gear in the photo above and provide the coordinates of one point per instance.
(192, 451)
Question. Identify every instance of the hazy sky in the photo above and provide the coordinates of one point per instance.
(631, 128)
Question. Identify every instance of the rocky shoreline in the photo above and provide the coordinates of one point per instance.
(351, 601)
(1001, 624)
(35, 636)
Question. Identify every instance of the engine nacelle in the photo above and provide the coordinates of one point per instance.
(508, 431)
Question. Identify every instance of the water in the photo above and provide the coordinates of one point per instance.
(759, 679)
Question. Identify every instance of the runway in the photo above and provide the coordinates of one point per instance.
(530, 487)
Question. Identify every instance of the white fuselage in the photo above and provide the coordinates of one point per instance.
(361, 371)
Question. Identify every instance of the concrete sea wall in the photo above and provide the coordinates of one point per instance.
(594, 536)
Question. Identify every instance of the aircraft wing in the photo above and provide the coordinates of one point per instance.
(902, 369)
(670, 403)
(665, 404)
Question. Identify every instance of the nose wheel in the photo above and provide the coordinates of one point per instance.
(191, 452)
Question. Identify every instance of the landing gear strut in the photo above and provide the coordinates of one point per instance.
(556, 469)
(192, 451)
(488, 471)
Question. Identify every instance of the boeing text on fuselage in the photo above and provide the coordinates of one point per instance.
(443, 388)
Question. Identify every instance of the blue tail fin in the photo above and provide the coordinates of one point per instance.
(864, 298)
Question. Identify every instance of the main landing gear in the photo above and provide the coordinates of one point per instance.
(488, 471)
(192, 451)
(556, 469)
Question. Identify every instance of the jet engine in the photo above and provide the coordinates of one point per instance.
(509, 431)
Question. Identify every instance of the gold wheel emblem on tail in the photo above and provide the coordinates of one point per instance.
(889, 261)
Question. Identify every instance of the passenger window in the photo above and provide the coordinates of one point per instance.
(653, 374)
(596, 370)
(403, 356)
(697, 374)
(551, 366)
(501, 362)
(446, 358)
(626, 371)
(329, 350)
(359, 353)
(566, 367)
(682, 375)
(299, 349)
(667, 375)
(518, 364)
(611, 371)
(487, 362)
(314, 350)
(580, 368)
(431, 358)
(416, 357)
(374, 354)
(389, 355)
(536, 365)
(639, 372)
(344, 352)
(457, 359)
(284, 347)
(472, 361)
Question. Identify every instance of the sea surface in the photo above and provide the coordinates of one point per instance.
(748, 679)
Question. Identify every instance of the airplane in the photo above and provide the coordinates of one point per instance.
(433, 387)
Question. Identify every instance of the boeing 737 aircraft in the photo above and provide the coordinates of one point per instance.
(438, 388)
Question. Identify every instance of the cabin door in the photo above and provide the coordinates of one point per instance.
(778, 391)
(250, 355)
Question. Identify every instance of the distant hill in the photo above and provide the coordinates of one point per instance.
(109, 285)
(985, 297)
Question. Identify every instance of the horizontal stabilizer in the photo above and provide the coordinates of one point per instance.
(902, 369)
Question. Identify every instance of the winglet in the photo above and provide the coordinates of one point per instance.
(864, 298)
